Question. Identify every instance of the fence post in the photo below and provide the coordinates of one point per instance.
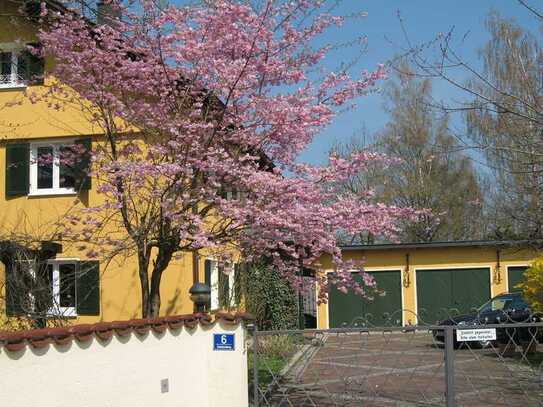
(449, 365)
(255, 366)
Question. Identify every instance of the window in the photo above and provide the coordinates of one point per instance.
(230, 194)
(211, 279)
(233, 195)
(62, 274)
(48, 168)
(19, 67)
(8, 70)
(222, 284)
(52, 169)
(57, 287)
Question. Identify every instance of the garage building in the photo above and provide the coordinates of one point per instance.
(426, 282)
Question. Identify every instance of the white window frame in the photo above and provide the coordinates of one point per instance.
(231, 288)
(16, 81)
(56, 309)
(33, 189)
(214, 284)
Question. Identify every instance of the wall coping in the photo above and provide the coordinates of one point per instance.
(40, 338)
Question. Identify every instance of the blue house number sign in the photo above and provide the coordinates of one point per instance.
(223, 342)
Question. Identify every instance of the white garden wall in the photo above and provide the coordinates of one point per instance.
(127, 371)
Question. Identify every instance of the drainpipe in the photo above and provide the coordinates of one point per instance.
(497, 271)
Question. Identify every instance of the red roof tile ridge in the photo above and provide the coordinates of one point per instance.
(39, 338)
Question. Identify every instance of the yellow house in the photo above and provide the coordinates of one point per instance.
(425, 282)
(35, 196)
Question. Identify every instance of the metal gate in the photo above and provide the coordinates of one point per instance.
(391, 366)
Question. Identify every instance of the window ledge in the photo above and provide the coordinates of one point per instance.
(52, 192)
(63, 312)
(13, 86)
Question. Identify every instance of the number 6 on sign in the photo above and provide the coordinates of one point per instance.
(223, 342)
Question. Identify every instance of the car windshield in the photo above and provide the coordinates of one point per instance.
(502, 303)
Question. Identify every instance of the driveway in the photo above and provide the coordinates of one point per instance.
(405, 369)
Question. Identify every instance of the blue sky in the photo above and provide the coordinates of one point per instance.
(423, 19)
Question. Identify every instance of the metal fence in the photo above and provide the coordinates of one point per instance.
(398, 366)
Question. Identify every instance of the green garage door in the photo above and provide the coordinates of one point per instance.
(443, 293)
(345, 308)
(515, 276)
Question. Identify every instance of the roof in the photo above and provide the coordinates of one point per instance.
(440, 245)
(40, 338)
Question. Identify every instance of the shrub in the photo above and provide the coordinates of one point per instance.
(269, 297)
(277, 346)
(532, 286)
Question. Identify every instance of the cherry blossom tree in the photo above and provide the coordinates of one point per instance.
(204, 111)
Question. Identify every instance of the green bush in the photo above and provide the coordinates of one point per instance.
(269, 297)
(532, 286)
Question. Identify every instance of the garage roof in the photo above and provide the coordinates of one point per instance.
(429, 245)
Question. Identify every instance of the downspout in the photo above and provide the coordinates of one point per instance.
(406, 281)
(497, 270)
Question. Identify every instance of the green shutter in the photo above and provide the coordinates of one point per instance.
(237, 284)
(207, 272)
(13, 296)
(224, 289)
(17, 168)
(83, 165)
(31, 67)
(87, 287)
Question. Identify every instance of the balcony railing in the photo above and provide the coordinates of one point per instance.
(11, 81)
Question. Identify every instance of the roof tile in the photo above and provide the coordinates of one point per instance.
(40, 338)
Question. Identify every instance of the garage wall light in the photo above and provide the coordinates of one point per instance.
(406, 280)
(497, 270)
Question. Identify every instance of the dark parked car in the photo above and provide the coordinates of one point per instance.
(508, 308)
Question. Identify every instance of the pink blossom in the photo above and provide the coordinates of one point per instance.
(224, 98)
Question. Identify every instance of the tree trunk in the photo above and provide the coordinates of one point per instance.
(163, 259)
(154, 304)
(144, 295)
(154, 298)
(143, 265)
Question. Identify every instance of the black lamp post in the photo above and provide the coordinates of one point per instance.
(200, 294)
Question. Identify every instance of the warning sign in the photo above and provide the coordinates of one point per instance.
(465, 335)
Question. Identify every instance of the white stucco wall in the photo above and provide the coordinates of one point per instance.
(128, 372)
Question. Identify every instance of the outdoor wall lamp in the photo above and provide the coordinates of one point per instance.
(497, 270)
(200, 295)
(406, 279)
